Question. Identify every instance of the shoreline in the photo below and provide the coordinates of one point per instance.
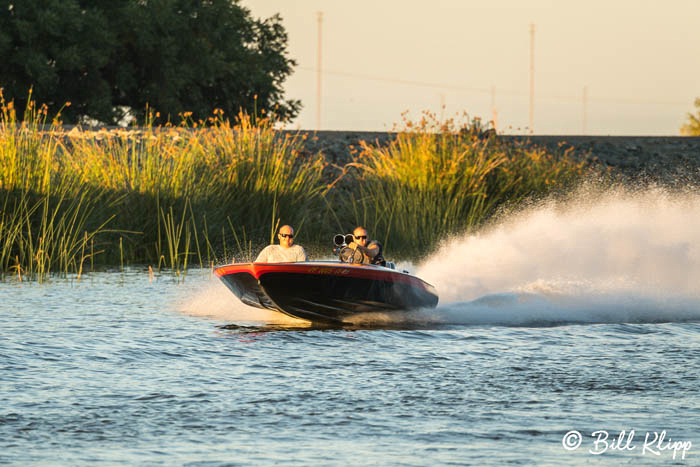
(666, 159)
(659, 158)
(160, 186)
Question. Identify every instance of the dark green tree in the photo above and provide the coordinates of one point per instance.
(110, 58)
(58, 49)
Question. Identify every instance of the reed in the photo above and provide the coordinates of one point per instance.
(173, 232)
(264, 173)
(239, 173)
(208, 192)
(44, 216)
(57, 188)
(437, 178)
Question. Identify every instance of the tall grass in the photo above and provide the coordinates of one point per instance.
(231, 176)
(170, 196)
(44, 210)
(195, 194)
(438, 178)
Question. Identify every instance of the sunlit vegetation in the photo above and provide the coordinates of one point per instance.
(441, 178)
(692, 125)
(209, 192)
(166, 196)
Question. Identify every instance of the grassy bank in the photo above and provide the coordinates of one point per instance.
(441, 178)
(196, 195)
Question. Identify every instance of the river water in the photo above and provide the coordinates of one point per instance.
(509, 368)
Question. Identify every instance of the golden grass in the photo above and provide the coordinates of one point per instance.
(439, 178)
(175, 196)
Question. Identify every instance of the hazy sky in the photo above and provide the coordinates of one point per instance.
(638, 59)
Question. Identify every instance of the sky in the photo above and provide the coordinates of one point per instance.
(637, 61)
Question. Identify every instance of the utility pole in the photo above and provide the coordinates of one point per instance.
(318, 73)
(494, 111)
(585, 109)
(532, 78)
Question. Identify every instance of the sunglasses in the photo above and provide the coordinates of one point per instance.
(360, 237)
(287, 235)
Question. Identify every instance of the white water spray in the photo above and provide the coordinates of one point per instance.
(215, 301)
(611, 257)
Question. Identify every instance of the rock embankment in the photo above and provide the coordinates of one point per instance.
(668, 159)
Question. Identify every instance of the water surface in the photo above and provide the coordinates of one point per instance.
(116, 369)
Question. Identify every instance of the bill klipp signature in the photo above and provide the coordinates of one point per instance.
(655, 443)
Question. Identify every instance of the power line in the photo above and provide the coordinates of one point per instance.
(398, 81)
(494, 111)
(532, 78)
(455, 87)
(318, 74)
(585, 109)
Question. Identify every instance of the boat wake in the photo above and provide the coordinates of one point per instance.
(215, 301)
(535, 310)
(612, 257)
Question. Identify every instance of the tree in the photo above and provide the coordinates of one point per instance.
(692, 126)
(58, 49)
(111, 57)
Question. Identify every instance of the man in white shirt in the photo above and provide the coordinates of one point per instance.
(285, 252)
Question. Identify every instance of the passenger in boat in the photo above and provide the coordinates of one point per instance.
(285, 252)
(371, 249)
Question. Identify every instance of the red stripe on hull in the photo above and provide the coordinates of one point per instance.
(324, 269)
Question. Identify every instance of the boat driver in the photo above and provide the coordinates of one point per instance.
(285, 252)
(371, 249)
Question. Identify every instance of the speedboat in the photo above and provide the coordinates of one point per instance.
(326, 291)
(329, 292)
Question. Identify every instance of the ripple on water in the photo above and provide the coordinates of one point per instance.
(101, 372)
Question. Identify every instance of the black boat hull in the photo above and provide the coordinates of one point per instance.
(326, 292)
